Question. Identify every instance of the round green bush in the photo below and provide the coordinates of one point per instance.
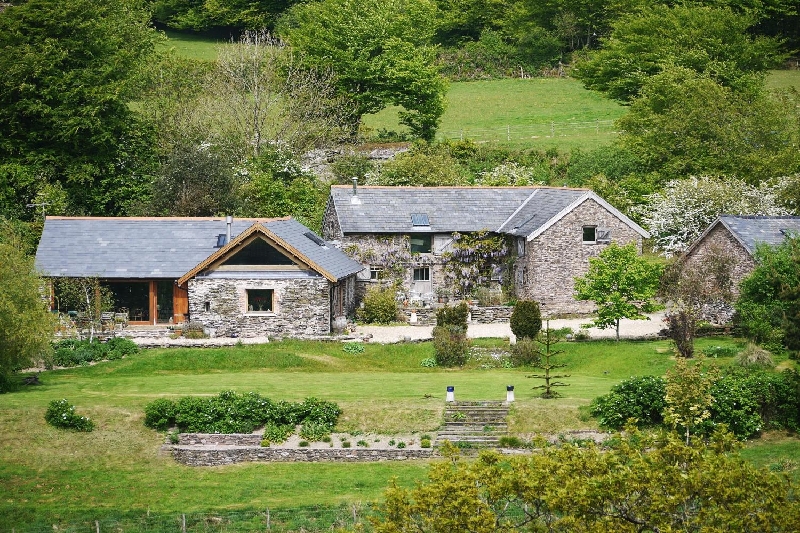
(160, 414)
(453, 316)
(641, 397)
(526, 319)
(61, 414)
(380, 306)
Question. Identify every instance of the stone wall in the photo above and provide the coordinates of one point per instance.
(209, 456)
(553, 259)
(719, 241)
(301, 307)
(477, 315)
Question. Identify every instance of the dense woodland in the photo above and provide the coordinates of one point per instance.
(98, 118)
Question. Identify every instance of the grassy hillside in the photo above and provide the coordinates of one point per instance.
(541, 112)
(49, 476)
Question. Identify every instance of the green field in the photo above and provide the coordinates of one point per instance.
(50, 476)
(538, 112)
(541, 112)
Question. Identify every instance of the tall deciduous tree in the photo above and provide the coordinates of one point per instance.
(380, 51)
(68, 76)
(26, 326)
(685, 123)
(714, 41)
(621, 283)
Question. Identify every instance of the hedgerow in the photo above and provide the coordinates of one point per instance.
(746, 401)
(229, 412)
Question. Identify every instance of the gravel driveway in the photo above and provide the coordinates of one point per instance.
(629, 329)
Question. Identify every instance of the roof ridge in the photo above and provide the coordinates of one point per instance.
(418, 187)
(209, 219)
(762, 217)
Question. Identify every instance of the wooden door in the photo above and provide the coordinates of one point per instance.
(180, 304)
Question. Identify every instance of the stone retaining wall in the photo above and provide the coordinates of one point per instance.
(477, 315)
(210, 456)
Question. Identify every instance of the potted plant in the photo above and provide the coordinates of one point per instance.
(443, 295)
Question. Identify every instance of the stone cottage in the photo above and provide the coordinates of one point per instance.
(243, 277)
(738, 236)
(552, 233)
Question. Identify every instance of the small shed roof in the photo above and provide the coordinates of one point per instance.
(168, 248)
(752, 230)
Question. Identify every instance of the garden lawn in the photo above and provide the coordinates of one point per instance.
(53, 476)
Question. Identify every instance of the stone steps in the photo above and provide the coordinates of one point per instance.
(477, 423)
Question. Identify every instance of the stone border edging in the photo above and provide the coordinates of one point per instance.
(217, 456)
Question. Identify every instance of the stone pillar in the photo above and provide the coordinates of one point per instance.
(509, 393)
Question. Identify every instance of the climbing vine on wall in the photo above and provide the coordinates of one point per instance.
(390, 252)
(474, 259)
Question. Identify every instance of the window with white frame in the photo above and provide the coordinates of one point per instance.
(260, 300)
(376, 272)
(422, 274)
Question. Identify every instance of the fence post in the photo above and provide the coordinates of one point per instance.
(461, 134)
(183, 523)
(552, 129)
(97, 526)
(598, 124)
(508, 132)
(269, 527)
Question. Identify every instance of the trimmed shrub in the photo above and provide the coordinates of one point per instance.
(453, 316)
(230, 412)
(641, 397)
(61, 414)
(120, 347)
(525, 353)
(450, 345)
(380, 306)
(526, 319)
(160, 414)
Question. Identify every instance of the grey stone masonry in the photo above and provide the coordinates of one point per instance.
(547, 271)
(720, 241)
(301, 307)
(211, 456)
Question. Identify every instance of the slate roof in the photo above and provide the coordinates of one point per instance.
(520, 211)
(449, 209)
(752, 230)
(152, 248)
(540, 208)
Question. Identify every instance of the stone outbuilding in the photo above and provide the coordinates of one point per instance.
(738, 236)
(243, 277)
(551, 232)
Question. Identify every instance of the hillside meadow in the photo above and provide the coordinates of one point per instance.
(520, 113)
(51, 476)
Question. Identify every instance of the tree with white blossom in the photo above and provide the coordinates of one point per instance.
(679, 214)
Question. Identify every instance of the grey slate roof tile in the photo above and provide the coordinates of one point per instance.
(752, 230)
(449, 209)
(146, 248)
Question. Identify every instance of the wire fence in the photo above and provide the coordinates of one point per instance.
(532, 131)
(283, 520)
